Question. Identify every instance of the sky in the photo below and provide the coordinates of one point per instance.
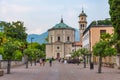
(40, 15)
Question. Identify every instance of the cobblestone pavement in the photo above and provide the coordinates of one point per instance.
(60, 71)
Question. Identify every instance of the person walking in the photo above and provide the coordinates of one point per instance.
(40, 61)
(50, 62)
(43, 61)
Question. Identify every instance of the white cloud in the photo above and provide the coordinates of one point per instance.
(40, 15)
(14, 8)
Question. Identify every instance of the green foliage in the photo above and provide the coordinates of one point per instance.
(2, 38)
(41, 54)
(115, 18)
(76, 54)
(9, 48)
(16, 30)
(110, 51)
(84, 51)
(104, 47)
(105, 37)
(17, 55)
(2, 51)
(80, 52)
(28, 52)
(101, 22)
(99, 48)
(34, 53)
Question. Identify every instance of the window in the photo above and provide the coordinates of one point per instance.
(81, 25)
(81, 18)
(51, 39)
(68, 38)
(58, 38)
(102, 31)
(58, 47)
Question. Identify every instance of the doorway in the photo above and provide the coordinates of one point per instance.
(58, 55)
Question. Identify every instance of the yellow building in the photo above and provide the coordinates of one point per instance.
(91, 34)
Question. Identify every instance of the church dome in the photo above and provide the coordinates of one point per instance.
(61, 25)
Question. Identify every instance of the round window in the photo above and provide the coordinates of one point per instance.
(58, 47)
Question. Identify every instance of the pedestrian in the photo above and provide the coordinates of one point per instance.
(40, 61)
(43, 61)
(50, 61)
(59, 59)
(63, 60)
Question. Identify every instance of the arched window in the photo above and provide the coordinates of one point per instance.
(68, 38)
(58, 38)
(58, 47)
(81, 25)
(51, 39)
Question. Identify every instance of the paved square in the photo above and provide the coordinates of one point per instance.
(60, 71)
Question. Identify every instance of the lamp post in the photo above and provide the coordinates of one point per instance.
(64, 50)
(31, 41)
(31, 48)
(91, 63)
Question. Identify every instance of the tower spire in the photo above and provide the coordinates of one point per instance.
(61, 19)
(82, 9)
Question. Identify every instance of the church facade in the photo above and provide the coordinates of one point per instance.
(61, 38)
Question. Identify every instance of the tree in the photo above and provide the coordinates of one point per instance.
(115, 19)
(17, 55)
(76, 54)
(16, 30)
(84, 52)
(81, 52)
(28, 53)
(9, 48)
(2, 38)
(103, 49)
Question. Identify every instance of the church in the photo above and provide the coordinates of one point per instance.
(61, 39)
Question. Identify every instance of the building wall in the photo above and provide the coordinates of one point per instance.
(86, 41)
(95, 33)
(49, 51)
(62, 47)
(63, 34)
(95, 37)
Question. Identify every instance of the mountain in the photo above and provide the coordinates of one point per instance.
(40, 38)
(37, 38)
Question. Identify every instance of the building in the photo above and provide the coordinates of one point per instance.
(76, 46)
(82, 24)
(91, 35)
(1, 27)
(61, 38)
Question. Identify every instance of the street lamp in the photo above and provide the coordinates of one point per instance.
(31, 48)
(31, 41)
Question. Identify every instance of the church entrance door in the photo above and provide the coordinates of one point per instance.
(58, 55)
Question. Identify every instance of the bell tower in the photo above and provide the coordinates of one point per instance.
(82, 23)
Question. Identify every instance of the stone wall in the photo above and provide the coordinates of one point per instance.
(13, 64)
